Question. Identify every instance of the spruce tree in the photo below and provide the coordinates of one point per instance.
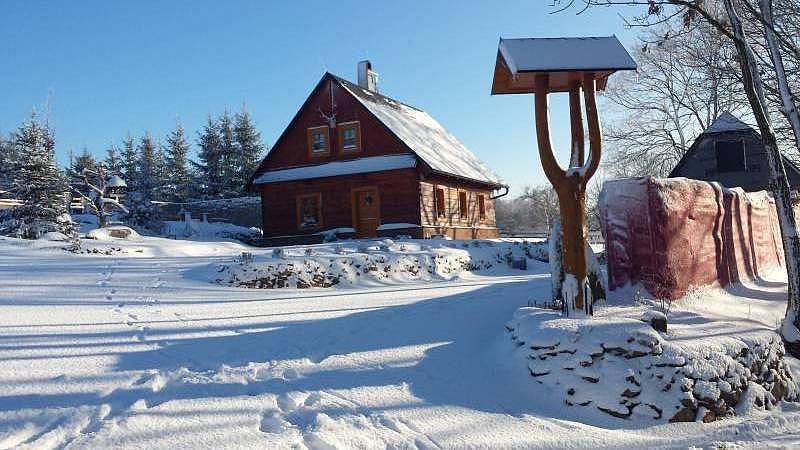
(113, 162)
(130, 160)
(230, 156)
(249, 146)
(148, 177)
(145, 181)
(177, 166)
(38, 183)
(75, 170)
(210, 168)
(6, 160)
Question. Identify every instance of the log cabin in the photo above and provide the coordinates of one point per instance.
(731, 153)
(356, 163)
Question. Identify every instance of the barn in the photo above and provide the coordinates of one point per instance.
(354, 162)
(731, 153)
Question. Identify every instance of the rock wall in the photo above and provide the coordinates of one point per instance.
(673, 234)
(242, 211)
(622, 367)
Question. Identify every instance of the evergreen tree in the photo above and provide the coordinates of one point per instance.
(113, 162)
(177, 168)
(75, 170)
(210, 168)
(130, 160)
(38, 183)
(230, 155)
(148, 177)
(146, 183)
(6, 161)
(249, 146)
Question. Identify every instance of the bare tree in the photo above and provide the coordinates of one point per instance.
(535, 210)
(685, 79)
(96, 186)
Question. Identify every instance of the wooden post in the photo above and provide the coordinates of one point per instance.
(570, 185)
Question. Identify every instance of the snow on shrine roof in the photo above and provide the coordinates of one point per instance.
(336, 168)
(424, 136)
(565, 54)
(115, 181)
(727, 122)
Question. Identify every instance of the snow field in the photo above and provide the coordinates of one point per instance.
(138, 350)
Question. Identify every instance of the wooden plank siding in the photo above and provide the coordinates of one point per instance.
(398, 191)
(453, 224)
(292, 148)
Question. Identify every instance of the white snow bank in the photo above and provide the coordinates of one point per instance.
(55, 236)
(375, 262)
(113, 233)
(208, 231)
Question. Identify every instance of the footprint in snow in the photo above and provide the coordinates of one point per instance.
(272, 422)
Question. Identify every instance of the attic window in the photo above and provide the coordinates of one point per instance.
(309, 211)
(350, 137)
(440, 208)
(730, 156)
(318, 141)
(462, 204)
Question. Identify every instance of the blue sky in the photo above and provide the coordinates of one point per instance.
(113, 68)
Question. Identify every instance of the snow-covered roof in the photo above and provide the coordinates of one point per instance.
(115, 182)
(424, 136)
(727, 122)
(562, 54)
(336, 168)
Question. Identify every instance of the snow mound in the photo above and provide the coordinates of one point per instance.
(620, 366)
(375, 262)
(209, 231)
(113, 233)
(55, 236)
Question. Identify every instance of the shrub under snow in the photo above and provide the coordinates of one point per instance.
(359, 262)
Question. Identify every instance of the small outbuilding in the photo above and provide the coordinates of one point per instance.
(355, 162)
(731, 153)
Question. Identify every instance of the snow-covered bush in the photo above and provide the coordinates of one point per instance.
(372, 262)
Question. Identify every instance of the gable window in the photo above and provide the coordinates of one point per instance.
(462, 204)
(318, 141)
(350, 137)
(481, 206)
(440, 208)
(309, 211)
(730, 156)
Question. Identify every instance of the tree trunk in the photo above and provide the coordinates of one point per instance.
(570, 185)
(779, 183)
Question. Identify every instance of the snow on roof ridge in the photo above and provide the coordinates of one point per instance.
(726, 122)
(560, 37)
(426, 137)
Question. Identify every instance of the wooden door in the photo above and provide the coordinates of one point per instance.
(366, 211)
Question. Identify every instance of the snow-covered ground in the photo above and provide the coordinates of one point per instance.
(134, 349)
